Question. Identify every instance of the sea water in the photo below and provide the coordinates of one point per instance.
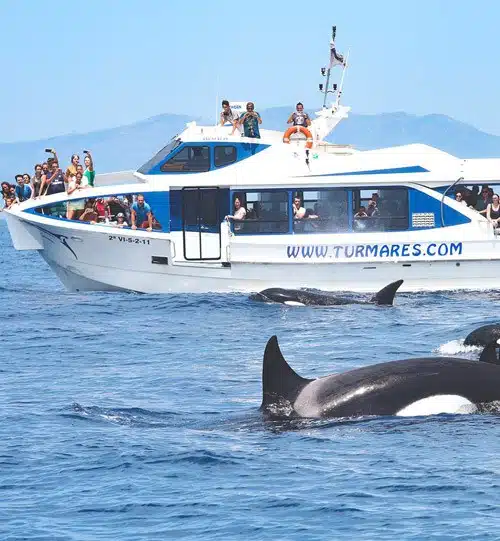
(131, 417)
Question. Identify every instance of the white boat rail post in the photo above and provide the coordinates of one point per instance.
(341, 86)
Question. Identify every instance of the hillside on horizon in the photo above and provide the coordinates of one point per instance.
(129, 146)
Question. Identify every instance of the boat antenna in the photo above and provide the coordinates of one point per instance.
(217, 100)
(335, 59)
(445, 193)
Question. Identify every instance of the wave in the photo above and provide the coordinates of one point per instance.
(122, 416)
(456, 347)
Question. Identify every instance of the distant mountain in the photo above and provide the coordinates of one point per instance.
(127, 147)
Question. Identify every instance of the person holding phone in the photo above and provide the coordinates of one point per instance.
(89, 168)
(250, 122)
(55, 182)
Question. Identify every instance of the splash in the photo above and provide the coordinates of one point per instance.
(455, 347)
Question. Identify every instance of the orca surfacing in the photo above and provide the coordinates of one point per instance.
(304, 297)
(482, 336)
(423, 386)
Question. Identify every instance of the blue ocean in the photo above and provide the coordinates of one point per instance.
(136, 417)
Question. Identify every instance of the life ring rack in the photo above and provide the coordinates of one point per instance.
(299, 129)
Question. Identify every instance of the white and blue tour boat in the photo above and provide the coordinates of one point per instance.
(303, 225)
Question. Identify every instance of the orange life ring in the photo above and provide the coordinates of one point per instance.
(297, 129)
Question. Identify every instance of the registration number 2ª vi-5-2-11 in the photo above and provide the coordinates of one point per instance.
(129, 240)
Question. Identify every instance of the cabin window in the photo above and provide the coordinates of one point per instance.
(266, 212)
(151, 166)
(190, 159)
(116, 211)
(326, 211)
(380, 209)
(224, 155)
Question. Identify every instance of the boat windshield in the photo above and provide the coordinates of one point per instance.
(160, 156)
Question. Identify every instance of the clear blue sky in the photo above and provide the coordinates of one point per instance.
(73, 66)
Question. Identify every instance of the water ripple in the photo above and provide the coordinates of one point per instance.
(135, 417)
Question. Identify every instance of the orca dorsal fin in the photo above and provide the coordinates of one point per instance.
(386, 294)
(279, 381)
(489, 353)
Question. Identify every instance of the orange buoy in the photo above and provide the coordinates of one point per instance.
(299, 129)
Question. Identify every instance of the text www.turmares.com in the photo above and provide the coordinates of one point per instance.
(347, 251)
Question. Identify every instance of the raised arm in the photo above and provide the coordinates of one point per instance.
(91, 165)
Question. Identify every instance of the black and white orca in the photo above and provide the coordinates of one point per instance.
(301, 297)
(482, 336)
(411, 387)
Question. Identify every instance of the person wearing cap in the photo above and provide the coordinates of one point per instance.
(120, 220)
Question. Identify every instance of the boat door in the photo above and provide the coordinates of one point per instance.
(201, 223)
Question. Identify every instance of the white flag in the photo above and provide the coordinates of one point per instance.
(336, 59)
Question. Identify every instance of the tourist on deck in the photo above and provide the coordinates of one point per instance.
(298, 210)
(72, 168)
(484, 200)
(361, 212)
(299, 118)
(120, 220)
(102, 208)
(5, 190)
(9, 202)
(27, 179)
(493, 211)
(239, 213)
(372, 209)
(89, 172)
(89, 213)
(140, 213)
(459, 198)
(227, 116)
(36, 181)
(75, 208)
(55, 182)
(22, 190)
(116, 206)
(45, 169)
(250, 122)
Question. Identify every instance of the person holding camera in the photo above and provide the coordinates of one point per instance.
(250, 122)
(89, 172)
(55, 181)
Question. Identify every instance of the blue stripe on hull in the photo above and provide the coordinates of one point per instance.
(409, 169)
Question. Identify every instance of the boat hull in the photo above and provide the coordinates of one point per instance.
(108, 259)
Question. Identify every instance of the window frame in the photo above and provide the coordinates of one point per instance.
(357, 200)
(242, 193)
(186, 146)
(228, 163)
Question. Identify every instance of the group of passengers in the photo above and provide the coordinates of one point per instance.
(49, 179)
(486, 202)
(116, 211)
(371, 210)
(251, 119)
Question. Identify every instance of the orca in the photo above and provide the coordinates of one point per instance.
(482, 336)
(303, 297)
(410, 387)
